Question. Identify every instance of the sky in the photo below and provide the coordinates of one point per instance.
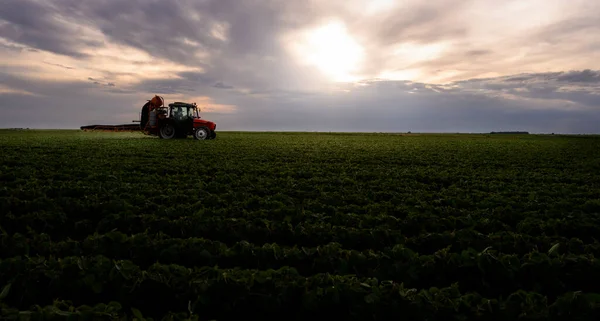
(306, 65)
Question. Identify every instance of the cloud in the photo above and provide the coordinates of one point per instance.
(567, 89)
(100, 82)
(475, 52)
(222, 86)
(586, 76)
(6, 90)
(536, 103)
(424, 66)
(58, 65)
(38, 24)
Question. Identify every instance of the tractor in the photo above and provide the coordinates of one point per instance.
(177, 120)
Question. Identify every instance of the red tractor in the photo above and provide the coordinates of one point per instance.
(177, 120)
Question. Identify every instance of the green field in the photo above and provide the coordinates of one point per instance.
(292, 226)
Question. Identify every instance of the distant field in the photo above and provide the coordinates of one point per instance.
(291, 226)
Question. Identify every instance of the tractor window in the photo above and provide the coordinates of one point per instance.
(178, 113)
(182, 112)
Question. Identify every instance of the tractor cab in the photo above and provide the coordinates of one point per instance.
(181, 116)
(183, 111)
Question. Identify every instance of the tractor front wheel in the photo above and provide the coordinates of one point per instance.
(167, 131)
(202, 133)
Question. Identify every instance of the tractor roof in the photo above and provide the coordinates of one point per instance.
(181, 104)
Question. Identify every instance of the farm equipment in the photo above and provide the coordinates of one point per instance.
(177, 120)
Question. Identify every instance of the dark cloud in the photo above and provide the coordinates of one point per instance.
(58, 65)
(35, 24)
(222, 86)
(573, 76)
(197, 78)
(100, 82)
(162, 28)
(166, 86)
(581, 87)
(478, 52)
(586, 76)
(186, 32)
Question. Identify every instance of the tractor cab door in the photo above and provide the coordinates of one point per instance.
(182, 118)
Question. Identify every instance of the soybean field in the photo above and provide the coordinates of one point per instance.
(297, 226)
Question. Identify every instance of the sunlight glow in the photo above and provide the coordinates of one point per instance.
(331, 49)
(411, 52)
(407, 74)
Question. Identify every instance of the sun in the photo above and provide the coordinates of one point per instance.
(330, 49)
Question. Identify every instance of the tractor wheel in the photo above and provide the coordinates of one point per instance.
(167, 131)
(202, 133)
(213, 135)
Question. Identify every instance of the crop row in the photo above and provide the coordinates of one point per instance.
(64, 310)
(259, 230)
(489, 272)
(34, 243)
(216, 293)
(433, 212)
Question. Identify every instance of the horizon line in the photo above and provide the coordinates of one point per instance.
(499, 132)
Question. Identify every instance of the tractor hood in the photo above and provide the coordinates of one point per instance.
(201, 122)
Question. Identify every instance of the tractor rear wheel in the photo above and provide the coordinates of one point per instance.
(167, 131)
(202, 133)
